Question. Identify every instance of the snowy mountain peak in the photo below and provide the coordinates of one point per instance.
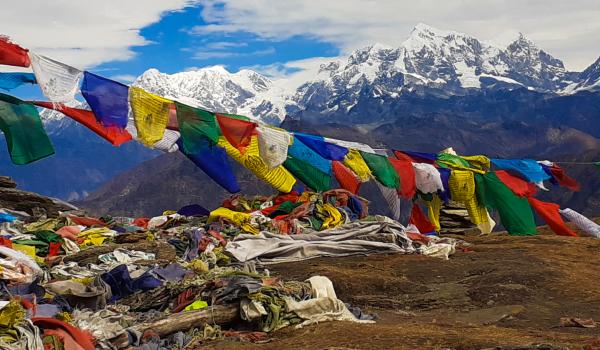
(216, 89)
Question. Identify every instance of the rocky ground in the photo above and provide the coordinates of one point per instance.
(502, 292)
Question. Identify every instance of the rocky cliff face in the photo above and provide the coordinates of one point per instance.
(31, 203)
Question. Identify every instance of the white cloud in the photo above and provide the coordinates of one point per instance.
(83, 33)
(124, 78)
(568, 30)
(205, 55)
(290, 75)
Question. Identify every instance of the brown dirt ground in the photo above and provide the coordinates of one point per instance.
(503, 292)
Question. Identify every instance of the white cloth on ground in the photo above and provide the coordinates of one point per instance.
(18, 266)
(324, 306)
(59, 82)
(428, 178)
(125, 256)
(344, 240)
(586, 225)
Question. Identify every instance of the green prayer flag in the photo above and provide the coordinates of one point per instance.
(308, 174)
(382, 169)
(515, 212)
(26, 138)
(451, 159)
(597, 164)
(195, 125)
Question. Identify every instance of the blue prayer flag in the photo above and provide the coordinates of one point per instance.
(323, 148)
(107, 99)
(9, 81)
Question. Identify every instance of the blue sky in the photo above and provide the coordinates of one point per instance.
(175, 48)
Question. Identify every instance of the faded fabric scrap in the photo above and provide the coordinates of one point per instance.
(168, 143)
(586, 225)
(551, 215)
(382, 169)
(107, 99)
(308, 174)
(237, 132)
(427, 178)
(345, 177)
(9, 81)
(12, 54)
(419, 157)
(529, 169)
(195, 124)
(519, 186)
(324, 149)
(515, 212)
(112, 134)
(150, 113)
(279, 177)
(273, 145)
(350, 145)
(558, 176)
(301, 151)
(355, 161)
(391, 197)
(214, 162)
(25, 136)
(58, 82)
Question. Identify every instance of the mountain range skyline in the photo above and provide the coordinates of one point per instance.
(444, 59)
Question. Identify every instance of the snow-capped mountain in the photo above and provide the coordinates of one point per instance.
(430, 61)
(216, 89)
(589, 79)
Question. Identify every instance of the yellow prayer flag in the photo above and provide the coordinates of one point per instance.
(150, 113)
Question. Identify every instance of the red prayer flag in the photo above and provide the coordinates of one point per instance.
(418, 218)
(345, 177)
(406, 172)
(13, 54)
(173, 124)
(563, 179)
(519, 186)
(238, 132)
(549, 212)
(112, 134)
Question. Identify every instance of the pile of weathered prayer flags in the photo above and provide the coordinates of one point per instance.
(120, 113)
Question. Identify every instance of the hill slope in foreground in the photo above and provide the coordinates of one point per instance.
(499, 292)
(503, 293)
